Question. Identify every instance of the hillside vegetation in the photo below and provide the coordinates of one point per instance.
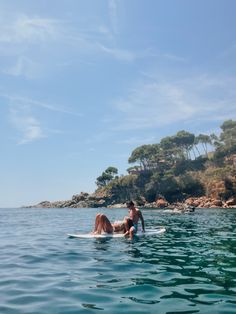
(179, 167)
(197, 170)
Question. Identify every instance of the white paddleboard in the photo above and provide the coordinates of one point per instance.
(148, 232)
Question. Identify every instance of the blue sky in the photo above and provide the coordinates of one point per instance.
(83, 83)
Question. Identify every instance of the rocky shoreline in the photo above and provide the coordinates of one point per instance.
(86, 200)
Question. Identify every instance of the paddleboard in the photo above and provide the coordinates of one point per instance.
(148, 232)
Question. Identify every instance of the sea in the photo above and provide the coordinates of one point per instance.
(191, 268)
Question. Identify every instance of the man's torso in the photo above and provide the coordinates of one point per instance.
(134, 215)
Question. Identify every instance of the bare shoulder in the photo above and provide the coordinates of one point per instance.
(138, 211)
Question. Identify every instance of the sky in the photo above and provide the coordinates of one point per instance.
(85, 82)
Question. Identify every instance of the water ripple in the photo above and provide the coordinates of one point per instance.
(189, 269)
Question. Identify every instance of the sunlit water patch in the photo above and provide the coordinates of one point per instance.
(191, 268)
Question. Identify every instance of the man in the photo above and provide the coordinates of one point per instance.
(135, 214)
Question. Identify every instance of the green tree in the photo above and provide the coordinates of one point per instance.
(228, 136)
(175, 168)
(215, 140)
(184, 141)
(204, 140)
(107, 176)
(227, 141)
(112, 171)
(190, 186)
(144, 155)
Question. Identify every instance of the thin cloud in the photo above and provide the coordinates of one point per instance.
(62, 41)
(153, 105)
(24, 101)
(25, 29)
(105, 32)
(27, 125)
(126, 55)
(137, 140)
(112, 6)
(173, 57)
(24, 67)
(20, 34)
(22, 117)
(157, 104)
(119, 54)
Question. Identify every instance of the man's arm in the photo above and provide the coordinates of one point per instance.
(142, 220)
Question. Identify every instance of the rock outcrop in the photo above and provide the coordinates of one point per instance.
(101, 199)
(82, 200)
(209, 202)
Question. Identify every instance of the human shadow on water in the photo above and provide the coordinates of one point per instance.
(134, 250)
(102, 244)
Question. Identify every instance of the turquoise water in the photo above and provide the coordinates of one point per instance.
(189, 269)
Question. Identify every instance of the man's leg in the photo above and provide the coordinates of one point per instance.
(132, 232)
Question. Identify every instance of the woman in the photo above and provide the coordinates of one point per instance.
(103, 225)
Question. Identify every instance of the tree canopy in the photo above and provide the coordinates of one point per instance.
(107, 176)
(173, 166)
